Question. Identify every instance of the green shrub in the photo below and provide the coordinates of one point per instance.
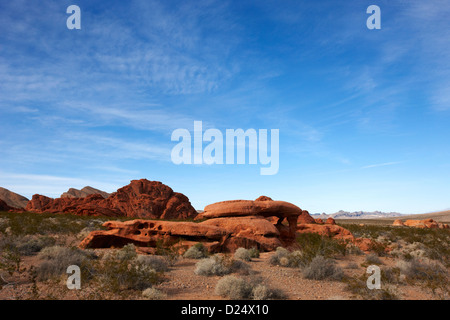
(254, 253)
(312, 245)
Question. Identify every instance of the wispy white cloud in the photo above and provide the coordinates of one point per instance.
(381, 164)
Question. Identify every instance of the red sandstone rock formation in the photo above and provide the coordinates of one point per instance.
(264, 224)
(140, 199)
(264, 198)
(248, 232)
(424, 224)
(332, 231)
(330, 220)
(265, 208)
(217, 236)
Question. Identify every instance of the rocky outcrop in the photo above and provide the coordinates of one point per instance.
(424, 224)
(266, 208)
(4, 206)
(229, 225)
(248, 232)
(263, 223)
(140, 199)
(86, 191)
(12, 199)
(214, 235)
(328, 230)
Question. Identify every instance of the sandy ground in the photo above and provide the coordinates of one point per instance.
(181, 283)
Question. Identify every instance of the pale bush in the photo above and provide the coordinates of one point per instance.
(285, 258)
(197, 251)
(321, 268)
(372, 258)
(218, 265)
(56, 259)
(154, 294)
(243, 254)
(157, 263)
(233, 288)
(236, 288)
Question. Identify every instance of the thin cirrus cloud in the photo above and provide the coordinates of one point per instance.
(382, 164)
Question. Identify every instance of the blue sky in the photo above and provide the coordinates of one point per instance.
(363, 114)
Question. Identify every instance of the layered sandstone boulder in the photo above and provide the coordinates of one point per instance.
(266, 208)
(151, 233)
(248, 232)
(214, 235)
(140, 199)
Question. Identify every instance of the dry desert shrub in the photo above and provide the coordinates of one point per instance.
(408, 243)
(123, 269)
(321, 268)
(236, 288)
(372, 258)
(56, 259)
(243, 254)
(358, 287)
(26, 245)
(157, 263)
(154, 294)
(285, 258)
(431, 274)
(197, 251)
(219, 265)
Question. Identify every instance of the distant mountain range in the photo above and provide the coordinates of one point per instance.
(356, 215)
